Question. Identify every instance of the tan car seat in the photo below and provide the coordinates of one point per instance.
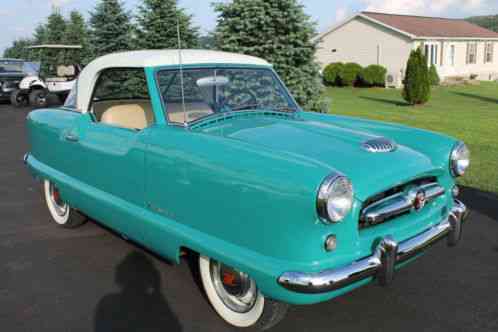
(133, 116)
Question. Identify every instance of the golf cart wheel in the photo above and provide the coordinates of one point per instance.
(38, 98)
(18, 99)
(62, 214)
(236, 298)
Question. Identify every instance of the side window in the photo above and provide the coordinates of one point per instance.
(121, 99)
(71, 97)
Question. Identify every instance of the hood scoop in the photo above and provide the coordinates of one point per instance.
(379, 145)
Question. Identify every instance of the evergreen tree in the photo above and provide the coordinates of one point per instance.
(55, 28)
(417, 87)
(19, 49)
(157, 26)
(51, 33)
(77, 34)
(110, 28)
(40, 34)
(434, 76)
(207, 41)
(280, 32)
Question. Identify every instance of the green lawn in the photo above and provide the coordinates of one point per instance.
(469, 113)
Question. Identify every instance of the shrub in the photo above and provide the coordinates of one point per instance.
(417, 87)
(374, 75)
(351, 74)
(332, 74)
(434, 76)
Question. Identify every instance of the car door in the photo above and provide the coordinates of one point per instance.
(110, 140)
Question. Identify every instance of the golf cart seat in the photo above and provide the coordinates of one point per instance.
(66, 71)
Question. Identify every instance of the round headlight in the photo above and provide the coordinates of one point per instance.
(459, 159)
(335, 199)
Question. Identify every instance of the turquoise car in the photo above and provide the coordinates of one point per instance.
(207, 153)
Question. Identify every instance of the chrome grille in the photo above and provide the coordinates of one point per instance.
(408, 198)
(379, 145)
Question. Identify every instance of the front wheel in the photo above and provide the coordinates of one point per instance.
(236, 298)
(62, 214)
(18, 98)
(38, 98)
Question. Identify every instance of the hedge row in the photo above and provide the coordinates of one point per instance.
(352, 74)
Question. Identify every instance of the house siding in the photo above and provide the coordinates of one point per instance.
(484, 71)
(365, 43)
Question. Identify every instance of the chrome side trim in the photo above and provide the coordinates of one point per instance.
(400, 203)
(382, 262)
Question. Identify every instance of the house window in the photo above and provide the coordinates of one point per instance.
(471, 53)
(488, 53)
(431, 53)
(452, 55)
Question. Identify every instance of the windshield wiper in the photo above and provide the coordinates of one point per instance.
(286, 109)
(245, 107)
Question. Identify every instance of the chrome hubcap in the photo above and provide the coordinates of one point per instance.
(55, 198)
(237, 291)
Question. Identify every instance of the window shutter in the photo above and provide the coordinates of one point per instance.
(467, 57)
(492, 45)
(486, 52)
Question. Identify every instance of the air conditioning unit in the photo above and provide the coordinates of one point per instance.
(393, 80)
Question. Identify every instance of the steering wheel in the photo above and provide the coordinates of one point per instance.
(248, 97)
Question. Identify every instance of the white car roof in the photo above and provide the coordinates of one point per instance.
(154, 58)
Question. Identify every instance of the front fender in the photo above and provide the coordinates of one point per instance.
(251, 197)
(31, 81)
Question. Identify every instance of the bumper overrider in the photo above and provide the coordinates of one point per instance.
(381, 264)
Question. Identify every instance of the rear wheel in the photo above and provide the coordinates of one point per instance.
(18, 98)
(62, 214)
(38, 98)
(236, 298)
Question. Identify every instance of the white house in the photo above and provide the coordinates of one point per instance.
(456, 47)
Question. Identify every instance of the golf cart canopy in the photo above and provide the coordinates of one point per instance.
(55, 46)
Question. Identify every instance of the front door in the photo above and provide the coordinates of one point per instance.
(110, 139)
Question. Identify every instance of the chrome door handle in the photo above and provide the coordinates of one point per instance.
(71, 137)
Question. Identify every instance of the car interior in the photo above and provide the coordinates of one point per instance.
(132, 114)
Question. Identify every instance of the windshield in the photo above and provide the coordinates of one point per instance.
(212, 91)
(11, 66)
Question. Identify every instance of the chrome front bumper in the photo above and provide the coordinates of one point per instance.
(382, 263)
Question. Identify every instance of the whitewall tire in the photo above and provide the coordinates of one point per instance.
(62, 214)
(236, 298)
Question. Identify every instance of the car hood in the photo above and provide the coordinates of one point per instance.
(331, 148)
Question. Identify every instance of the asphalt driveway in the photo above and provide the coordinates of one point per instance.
(89, 279)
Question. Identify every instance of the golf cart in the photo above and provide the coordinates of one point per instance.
(57, 80)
